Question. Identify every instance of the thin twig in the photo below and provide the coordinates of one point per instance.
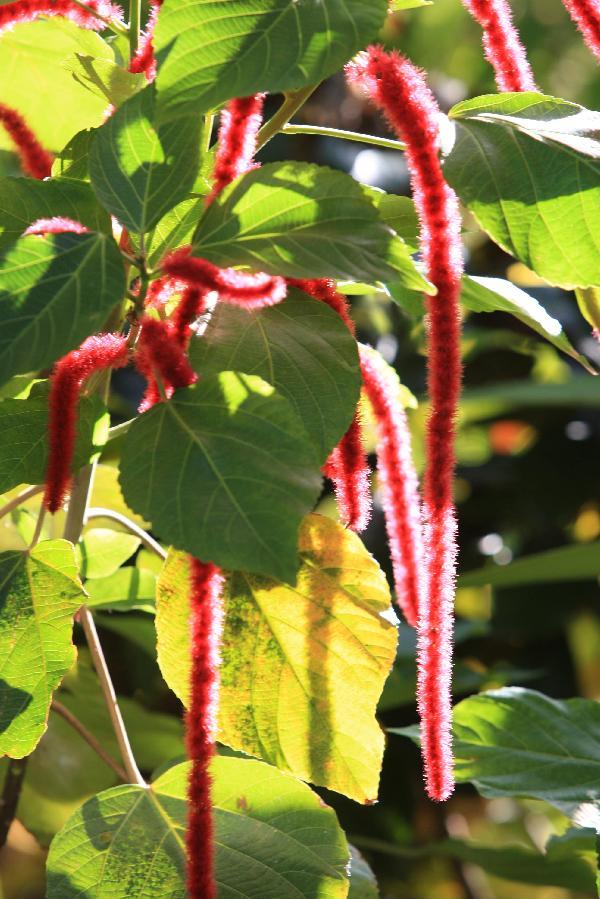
(20, 498)
(135, 18)
(11, 793)
(38, 527)
(290, 106)
(147, 540)
(357, 136)
(119, 430)
(89, 738)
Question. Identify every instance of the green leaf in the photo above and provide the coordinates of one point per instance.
(303, 221)
(275, 839)
(24, 200)
(302, 692)
(102, 551)
(400, 214)
(54, 105)
(516, 742)
(275, 46)
(580, 562)
(128, 588)
(73, 161)
(528, 168)
(104, 78)
(302, 348)
(363, 884)
(239, 449)
(140, 171)
(498, 295)
(54, 292)
(175, 229)
(397, 5)
(39, 594)
(23, 437)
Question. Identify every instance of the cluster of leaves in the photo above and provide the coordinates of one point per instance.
(229, 469)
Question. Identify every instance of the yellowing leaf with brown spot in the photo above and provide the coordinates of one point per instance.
(303, 667)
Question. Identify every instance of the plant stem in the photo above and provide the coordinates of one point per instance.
(385, 142)
(135, 20)
(20, 498)
(89, 738)
(118, 430)
(11, 793)
(38, 527)
(76, 513)
(144, 536)
(113, 24)
(290, 106)
(207, 128)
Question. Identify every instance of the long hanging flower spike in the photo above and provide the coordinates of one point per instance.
(399, 89)
(398, 481)
(35, 160)
(240, 121)
(144, 61)
(68, 377)
(586, 15)
(502, 45)
(27, 10)
(207, 584)
(159, 353)
(58, 224)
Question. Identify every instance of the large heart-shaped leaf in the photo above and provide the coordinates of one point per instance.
(528, 167)
(225, 471)
(304, 221)
(39, 593)
(24, 200)
(302, 348)
(102, 551)
(301, 686)
(54, 292)
(272, 45)
(138, 170)
(33, 80)
(24, 438)
(275, 839)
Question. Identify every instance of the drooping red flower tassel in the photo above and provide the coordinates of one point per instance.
(348, 469)
(398, 479)
(206, 619)
(502, 45)
(159, 353)
(68, 377)
(240, 122)
(58, 224)
(35, 160)
(399, 89)
(586, 15)
(252, 291)
(28, 10)
(144, 62)
(191, 305)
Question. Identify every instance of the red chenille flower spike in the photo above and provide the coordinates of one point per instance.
(206, 618)
(240, 121)
(191, 305)
(348, 468)
(144, 62)
(586, 15)
(66, 381)
(35, 160)
(28, 10)
(502, 45)
(158, 353)
(398, 479)
(58, 224)
(399, 89)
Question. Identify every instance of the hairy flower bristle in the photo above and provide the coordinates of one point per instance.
(347, 467)
(241, 119)
(67, 378)
(144, 61)
(586, 15)
(58, 224)
(400, 90)
(206, 621)
(503, 48)
(35, 159)
(27, 10)
(160, 355)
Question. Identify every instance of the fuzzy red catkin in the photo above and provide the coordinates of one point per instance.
(35, 160)
(206, 621)
(348, 469)
(240, 122)
(28, 10)
(144, 62)
(398, 479)
(586, 15)
(58, 224)
(400, 90)
(159, 353)
(191, 305)
(68, 377)
(502, 45)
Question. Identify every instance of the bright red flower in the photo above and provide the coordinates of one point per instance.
(28, 10)
(68, 377)
(348, 469)
(159, 354)
(35, 160)
(58, 224)
(400, 90)
(144, 62)
(502, 45)
(240, 122)
(206, 620)
(586, 15)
